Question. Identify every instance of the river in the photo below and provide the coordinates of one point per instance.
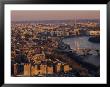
(82, 42)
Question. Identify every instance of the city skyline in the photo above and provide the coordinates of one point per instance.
(32, 15)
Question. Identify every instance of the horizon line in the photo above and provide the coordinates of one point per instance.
(60, 19)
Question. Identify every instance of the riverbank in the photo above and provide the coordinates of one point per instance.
(90, 62)
(91, 67)
(94, 39)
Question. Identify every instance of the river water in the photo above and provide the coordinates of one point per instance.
(82, 42)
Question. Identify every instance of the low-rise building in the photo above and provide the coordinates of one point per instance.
(94, 33)
(27, 68)
(66, 68)
(50, 70)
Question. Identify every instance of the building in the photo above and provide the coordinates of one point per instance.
(76, 31)
(15, 69)
(27, 69)
(58, 67)
(39, 57)
(66, 68)
(43, 69)
(33, 71)
(50, 70)
(94, 33)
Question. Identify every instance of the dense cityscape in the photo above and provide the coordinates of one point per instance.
(38, 48)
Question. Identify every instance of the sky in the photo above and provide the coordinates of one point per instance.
(33, 15)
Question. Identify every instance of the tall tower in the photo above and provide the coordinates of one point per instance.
(75, 23)
(76, 29)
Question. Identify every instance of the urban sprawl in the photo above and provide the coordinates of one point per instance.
(37, 49)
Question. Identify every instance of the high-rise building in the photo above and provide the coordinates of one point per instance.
(76, 29)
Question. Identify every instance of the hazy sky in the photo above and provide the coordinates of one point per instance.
(20, 15)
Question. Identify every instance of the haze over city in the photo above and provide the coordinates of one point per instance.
(31, 15)
(55, 43)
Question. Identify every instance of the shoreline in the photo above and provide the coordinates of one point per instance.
(79, 59)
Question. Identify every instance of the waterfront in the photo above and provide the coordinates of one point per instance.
(83, 43)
